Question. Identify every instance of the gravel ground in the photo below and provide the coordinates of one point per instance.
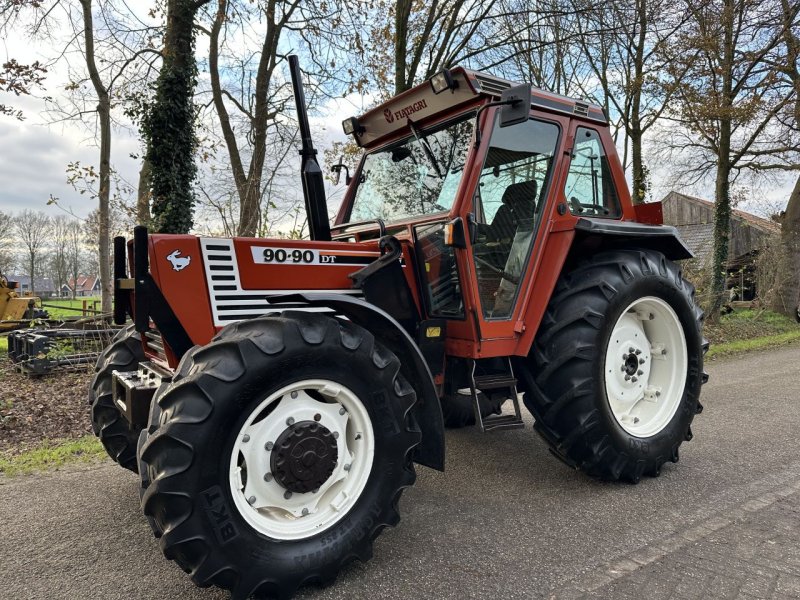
(33, 409)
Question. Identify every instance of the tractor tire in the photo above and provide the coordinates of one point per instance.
(266, 471)
(624, 322)
(123, 354)
(457, 410)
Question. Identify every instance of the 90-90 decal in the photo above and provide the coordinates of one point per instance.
(308, 256)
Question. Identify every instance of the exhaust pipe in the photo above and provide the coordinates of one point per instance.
(313, 185)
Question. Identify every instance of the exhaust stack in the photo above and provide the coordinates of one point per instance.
(311, 174)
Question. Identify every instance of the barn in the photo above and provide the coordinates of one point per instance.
(694, 219)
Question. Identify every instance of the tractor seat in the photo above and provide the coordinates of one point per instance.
(516, 212)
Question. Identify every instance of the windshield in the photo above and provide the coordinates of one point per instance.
(418, 176)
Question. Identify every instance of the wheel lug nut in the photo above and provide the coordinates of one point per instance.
(245, 438)
(290, 421)
(622, 368)
(641, 361)
(640, 372)
(317, 417)
(287, 494)
(638, 352)
(631, 349)
(634, 380)
(269, 446)
(625, 356)
(342, 411)
(347, 467)
(336, 435)
(294, 394)
(627, 377)
(267, 476)
(251, 500)
(305, 512)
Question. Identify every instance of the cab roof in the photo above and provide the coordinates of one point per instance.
(421, 103)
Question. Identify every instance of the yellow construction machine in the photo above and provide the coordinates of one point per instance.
(15, 310)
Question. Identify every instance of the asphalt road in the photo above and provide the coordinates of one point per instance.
(506, 519)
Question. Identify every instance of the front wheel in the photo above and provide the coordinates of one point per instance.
(108, 423)
(614, 377)
(280, 453)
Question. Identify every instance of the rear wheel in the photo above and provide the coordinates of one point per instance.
(615, 373)
(108, 423)
(280, 453)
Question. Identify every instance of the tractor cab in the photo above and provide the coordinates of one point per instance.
(482, 198)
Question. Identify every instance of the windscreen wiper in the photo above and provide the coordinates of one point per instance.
(425, 148)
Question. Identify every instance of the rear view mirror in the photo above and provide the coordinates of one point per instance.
(337, 168)
(518, 107)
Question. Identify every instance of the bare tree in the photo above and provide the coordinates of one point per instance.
(33, 229)
(104, 117)
(257, 106)
(787, 294)
(59, 251)
(726, 104)
(6, 241)
(74, 253)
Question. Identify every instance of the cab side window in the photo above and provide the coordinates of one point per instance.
(590, 190)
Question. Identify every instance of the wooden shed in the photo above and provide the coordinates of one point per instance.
(694, 218)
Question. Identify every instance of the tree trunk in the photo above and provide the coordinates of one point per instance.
(31, 272)
(104, 116)
(787, 291)
(635, 133)
(168, 127)
(639, 177)
(143, 195)
(722, 233)
(722, 206)
(402, 14)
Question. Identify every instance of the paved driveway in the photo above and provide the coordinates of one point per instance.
(506, 519)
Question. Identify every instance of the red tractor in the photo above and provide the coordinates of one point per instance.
(274, 394)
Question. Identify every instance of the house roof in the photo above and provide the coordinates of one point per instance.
(41, 284)
(694, 219)
(86, 283)
(766, 225)
(699, 238)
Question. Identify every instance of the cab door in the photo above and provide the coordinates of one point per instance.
(510, 207)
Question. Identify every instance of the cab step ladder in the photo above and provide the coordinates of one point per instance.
(498, 381)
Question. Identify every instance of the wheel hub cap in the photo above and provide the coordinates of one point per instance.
(646, 366)
(305, 456)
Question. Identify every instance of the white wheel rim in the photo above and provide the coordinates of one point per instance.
(645, 397)
(258, 496)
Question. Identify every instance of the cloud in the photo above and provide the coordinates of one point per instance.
(35, 157)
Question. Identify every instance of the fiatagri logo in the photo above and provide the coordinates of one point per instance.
(404, 112)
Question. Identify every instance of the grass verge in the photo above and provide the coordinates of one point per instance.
(3, 344)
(60, 308)
(759, 343)
(747, 330)
(51, 455)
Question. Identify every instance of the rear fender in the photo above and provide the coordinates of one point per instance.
(427, 411)
(605, 234)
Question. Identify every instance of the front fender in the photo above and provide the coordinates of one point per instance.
(427, 411)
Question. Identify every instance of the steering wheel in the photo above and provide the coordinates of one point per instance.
(581, 207)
